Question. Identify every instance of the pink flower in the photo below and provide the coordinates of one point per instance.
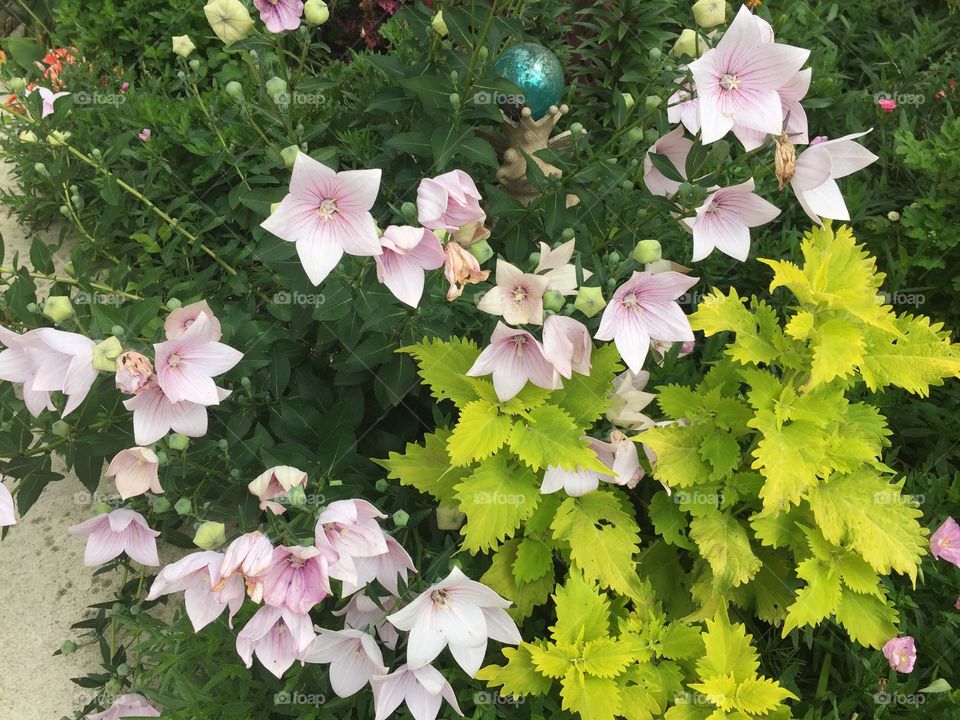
(818, 167)
(384, 568)
(248, 556)
(945, 542)
(683, 107)
(957, 603)
(901, 653)
(195, 575)
(675, 147)
(327, 213)
(451, 202)
(144, 134)
(725, 218)
(351, 528)
(460, 268)
(620, 455)
(643, 309)
(518, 296)
(136, 470)
(48, 97)
(277, 636)
(556, 267)
(115, 532)
(407, 253)
(887, 105)
(362, 612)
(567, 345)
(127, 706)
(180, 320)
(133, 372)
(514, 357)
(423, 689)
(274, 483)
(187, 365)
(793, 113)
(280, 15)
(154, 414)
(298, 577)
(353, 655)
(66, 366)
(8, 515)
(458, 612)
(574, 483)
(737, 81)
(19, 363)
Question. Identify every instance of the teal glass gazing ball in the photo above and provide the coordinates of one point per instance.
(536, 72)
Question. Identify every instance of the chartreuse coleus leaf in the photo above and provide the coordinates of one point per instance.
(724, 543)
(759, 339)
(534, 560)
(443, 366)
(864, 511)
(669, 522)
(518, 676)
(647, 688)
(728, 674)
(677, 448)
(788, 456)
(496, 498)
(548, 436)
(426, 467)
(838, 347)
(583, 612)
(525, 596)
(480, 432)
(837, 274)
(603, 540)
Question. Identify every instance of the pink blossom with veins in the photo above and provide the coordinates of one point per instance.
(675, 147)
(126, 706)
(819, 166)
(135, 470)
(514, 358)
(19, 363)
(567, 345)
(350, 527)
(362, 612)
(451, 202)
(196, 575)
(326, 214)
(353, 655)
(517, 296)
(8, 515)
(277, 636)
(724, 220)
(945, 542)
(423, 689)
(384, 568)
(280, 15)
(737, 81)
(407, 253)
(901, 653)
(154, 414)
(298, 577)
(643, 309)
(683, 107)
(276, 483)
(67, 367)
(117, 532)
(133, 372)
(555, 265)
(458, 613)
(186, 366)
(794, 116)
(180, 320)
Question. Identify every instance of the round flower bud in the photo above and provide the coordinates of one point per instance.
(58, 308)
(41, 169)
(689, 44)
(17, 85)
(568, 234)
(182, 45)
(449, 516)
(438, 25)
(635, 135)
(454, 100)
(315, 12)
(101, 507)
(234, 90)
(381, 485)
(289, 155)
(183, 506)
(68, 647)
(105, 353)
(481, 250)
(647, 251)
(400, 518)
(210, 535)
(160, 504)
(178, 442)
(553, 300)
(276, 86)
(409, 212)
(709, 13)
(652, 102)
(297, 496)
(60, 428)
(589, 301)
(893, 216)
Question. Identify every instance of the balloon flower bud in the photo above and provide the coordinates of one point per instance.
(589, 301)
(182, 45)
(105, 354)
(689, 43)
(289, 155)
(58, 308)
(481, 250)
(709, 13)
(647, 251)
(553, 300)
(210, 535)
(315, 12)
(438, 25)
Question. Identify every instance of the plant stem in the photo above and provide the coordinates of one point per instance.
(4, 270)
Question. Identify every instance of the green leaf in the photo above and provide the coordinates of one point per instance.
(517, 677)
(818, 599)
(788, 456)
(837, 351)
(603, 540)
(585, 398)
(554, 659)
(727, 651)
(496, 498)
(583, 613)
(677, 448)
(548, 436)
(606, 657)
(480, 432)
(869, 620)
(758, 696)
(592, 697)
(426, 467)
(668, 520)
(724, 543)
(534, 560)
(524, 596)
(722, 451)
(443, 366)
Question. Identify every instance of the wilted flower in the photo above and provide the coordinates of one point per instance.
(144, 134)
(461, 268)
(133, 372)
(115, 532)
(135, 471)
(249, 556)
(276, 483)
(901, 653)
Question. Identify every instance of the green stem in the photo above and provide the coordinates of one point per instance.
(4, 270)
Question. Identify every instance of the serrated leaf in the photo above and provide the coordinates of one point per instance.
(517, 677)
(722, 451)
(606, 657)
(554, 659)
(534, 560)
(443, 366)
(727, 649)
(869, 620)
(724, 544)
(677, 448)
(524, 596)
(593, 698)
(585, 398)
(548, 436)
(480, 432)
(758, 696)
(817, 600)
(426, 467)
(583, 612)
